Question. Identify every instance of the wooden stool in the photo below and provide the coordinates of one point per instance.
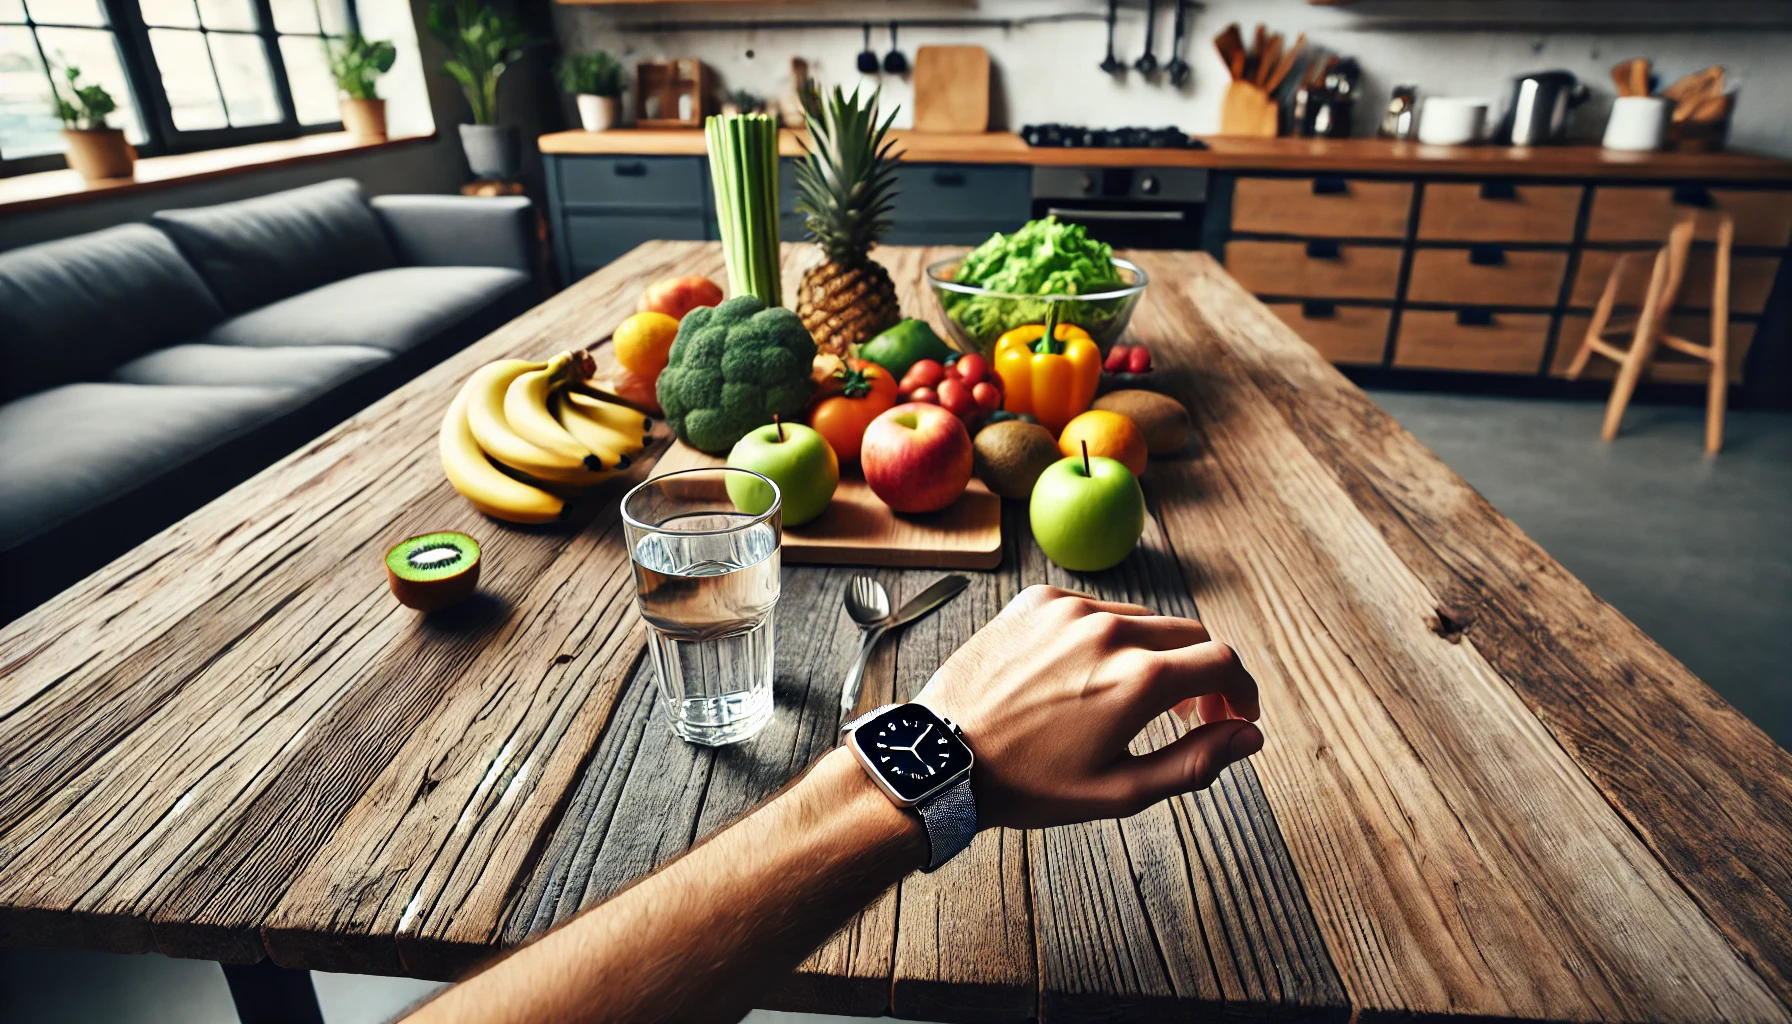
(1650, 328)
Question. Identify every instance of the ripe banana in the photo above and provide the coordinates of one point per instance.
(619, 417)
(615, 447)
(526, 409)
(490, 491)
(485, 415)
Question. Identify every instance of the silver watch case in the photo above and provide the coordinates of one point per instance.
(848, 731)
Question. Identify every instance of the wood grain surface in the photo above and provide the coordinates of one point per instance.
(1485, 793)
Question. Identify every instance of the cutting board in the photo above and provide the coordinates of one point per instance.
(859, 529)
(951, 89)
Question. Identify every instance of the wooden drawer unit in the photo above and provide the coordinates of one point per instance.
(1324, 269)
(1667, 367)
(1751, 280)
(1321, 207)
(1471, 340)
(1486, 275)
(1625, 214)
(1498, 211)
(665, 182)
(1342, 334)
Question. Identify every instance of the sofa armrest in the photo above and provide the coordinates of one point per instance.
(460, 231)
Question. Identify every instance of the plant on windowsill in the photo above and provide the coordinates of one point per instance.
(481, 42)
(95, 151)
(594, 80)
(357, 62)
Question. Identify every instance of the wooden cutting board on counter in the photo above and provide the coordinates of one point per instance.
(951, 89)
(859, 529)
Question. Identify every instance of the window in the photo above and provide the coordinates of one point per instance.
(187, 74)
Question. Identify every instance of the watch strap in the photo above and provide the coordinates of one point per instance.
(951, 822)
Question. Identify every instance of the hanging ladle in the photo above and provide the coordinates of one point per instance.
(1147, 62)
(1110, 64)
(894, 62)
(1178, 69)
(867, 59)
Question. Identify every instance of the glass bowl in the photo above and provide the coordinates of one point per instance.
(976, 317)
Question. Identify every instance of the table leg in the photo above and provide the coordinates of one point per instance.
(266, 993)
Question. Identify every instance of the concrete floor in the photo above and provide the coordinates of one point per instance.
(1695, 550)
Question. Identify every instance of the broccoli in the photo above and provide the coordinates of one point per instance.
(732, 367)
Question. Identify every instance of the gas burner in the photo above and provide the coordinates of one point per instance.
(1071, 137)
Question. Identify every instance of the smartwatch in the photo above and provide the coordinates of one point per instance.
(921, 762)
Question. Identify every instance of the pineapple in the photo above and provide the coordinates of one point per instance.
(845, 185)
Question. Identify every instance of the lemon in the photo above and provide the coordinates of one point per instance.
(644, 342)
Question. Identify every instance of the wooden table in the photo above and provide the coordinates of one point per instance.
(1485, 793)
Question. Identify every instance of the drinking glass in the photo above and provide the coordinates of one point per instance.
(706, 581)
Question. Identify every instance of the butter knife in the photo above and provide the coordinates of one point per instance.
(926, 601)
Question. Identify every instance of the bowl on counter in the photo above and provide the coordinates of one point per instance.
(976, 317)
(1452, 120)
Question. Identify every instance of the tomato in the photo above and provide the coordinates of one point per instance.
(926, 373)
(971, 368)
(867, 390)
(676, 296)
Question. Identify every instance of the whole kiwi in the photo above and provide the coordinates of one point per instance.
(1009, 456)
(1163, 420)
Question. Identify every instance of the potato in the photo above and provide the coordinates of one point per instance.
(1162, 418)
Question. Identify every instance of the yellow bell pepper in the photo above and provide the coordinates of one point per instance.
(1052, 380)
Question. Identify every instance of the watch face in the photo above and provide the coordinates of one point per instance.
(912, 751)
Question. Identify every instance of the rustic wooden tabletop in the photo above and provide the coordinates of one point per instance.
(1485, 792)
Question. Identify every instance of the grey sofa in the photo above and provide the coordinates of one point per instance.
(146, 369)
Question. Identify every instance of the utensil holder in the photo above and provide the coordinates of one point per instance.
(1248, 111)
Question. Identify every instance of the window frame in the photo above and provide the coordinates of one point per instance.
(130, 34)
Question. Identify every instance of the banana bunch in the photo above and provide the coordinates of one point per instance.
(518, 442)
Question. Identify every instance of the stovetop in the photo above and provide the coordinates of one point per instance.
(1064, 136)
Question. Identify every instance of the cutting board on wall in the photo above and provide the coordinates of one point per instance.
(859, 529)
(951, 89)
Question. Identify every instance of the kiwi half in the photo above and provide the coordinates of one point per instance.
(434, 570)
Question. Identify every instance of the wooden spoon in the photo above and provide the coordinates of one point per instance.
(1286, 64)
(1230, 44)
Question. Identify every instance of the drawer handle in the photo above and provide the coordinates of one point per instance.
(1330, 186)
(1316, 309)
(1498, 190)
(1474, 318)
(1487, 255)
(1323, 251)
(1692, 195)
(635, 170)
(949, 179)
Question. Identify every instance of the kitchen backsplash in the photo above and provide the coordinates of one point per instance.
(1048, 71)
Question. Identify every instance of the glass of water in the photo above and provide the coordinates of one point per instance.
(706, 580)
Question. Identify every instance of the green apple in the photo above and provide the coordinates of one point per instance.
(797, 459)
(1087, 514)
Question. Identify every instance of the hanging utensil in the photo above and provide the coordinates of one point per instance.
(894, 62)
(1110, 63)
(1147, 62)
(867, 58)
(1178, 68)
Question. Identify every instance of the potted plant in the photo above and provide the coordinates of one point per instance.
(482, 42)
(95, 151)
(594, 80)
(356, 62)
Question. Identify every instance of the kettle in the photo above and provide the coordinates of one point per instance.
(1538, 111)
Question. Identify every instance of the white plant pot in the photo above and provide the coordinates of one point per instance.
(597, 113)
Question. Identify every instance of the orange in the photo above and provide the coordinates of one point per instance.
(1107, 433)
(644, 342)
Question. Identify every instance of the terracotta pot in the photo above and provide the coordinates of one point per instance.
(365, 119)
(99, 153)
(597, 113)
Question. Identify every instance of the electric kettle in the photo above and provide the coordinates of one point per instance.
(1538, 111)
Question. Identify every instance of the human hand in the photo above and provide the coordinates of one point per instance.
(1052, 690)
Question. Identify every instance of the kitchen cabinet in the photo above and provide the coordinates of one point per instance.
(1318, 269)
(1489, 275)
(1324, 206)
(1499, 211)
(1471, 339)
(1350, 335)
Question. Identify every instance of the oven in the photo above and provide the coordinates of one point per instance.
(1126, 207)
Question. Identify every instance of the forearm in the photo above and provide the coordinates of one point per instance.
(698, 939)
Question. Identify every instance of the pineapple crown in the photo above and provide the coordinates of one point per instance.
(847, 180)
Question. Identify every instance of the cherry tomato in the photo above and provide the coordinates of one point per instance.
(924, 394)
(925, 373)
(841, 419)
(957, 398)
(972, 368)
(1116, 360)
(987, 395)
(1138, 360)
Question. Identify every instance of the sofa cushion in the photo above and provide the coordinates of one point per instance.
(73, 309)
(310, 368)
(70, 448)
(261, 250)
(392, 309)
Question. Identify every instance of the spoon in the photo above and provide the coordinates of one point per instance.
(1110, 64)
(868, 604)
(1178, 68)
(867, 58)
(894, 62)
(1147, 62)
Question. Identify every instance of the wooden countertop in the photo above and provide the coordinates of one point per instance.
(1240, 154)
(1485, 793)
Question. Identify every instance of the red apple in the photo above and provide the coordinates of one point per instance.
(916, 457)
(676, 296)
